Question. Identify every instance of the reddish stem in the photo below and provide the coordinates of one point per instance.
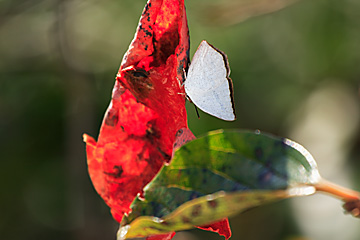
(338, 191)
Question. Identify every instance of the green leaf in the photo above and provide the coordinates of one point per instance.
(219, 175)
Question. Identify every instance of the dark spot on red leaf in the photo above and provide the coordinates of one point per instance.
(111, 118)
(164, 154)
(178, 133)
(138, 82)
(147, 32)
(147, 6)
(117, 172)
(152, 132)
(140, 156)
(183, 136)
(166, 45)
(139, 72)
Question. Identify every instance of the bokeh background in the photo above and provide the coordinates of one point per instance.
(296, 74)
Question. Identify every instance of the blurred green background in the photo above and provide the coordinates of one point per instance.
(295, 71)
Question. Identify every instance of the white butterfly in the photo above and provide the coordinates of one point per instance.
(208, 84)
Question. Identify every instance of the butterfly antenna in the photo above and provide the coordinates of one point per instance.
(197, 112)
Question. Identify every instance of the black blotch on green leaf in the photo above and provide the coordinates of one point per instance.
(239, 187)
(265, 177)
(166, 223)
(196, 210)
(185, 219)
(212, 203)
(194, 195)
(259, 153)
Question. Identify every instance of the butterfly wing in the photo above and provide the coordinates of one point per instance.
(208, 84)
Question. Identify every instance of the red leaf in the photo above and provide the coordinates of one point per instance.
(162, 236)
(147, 108)
(222, 228)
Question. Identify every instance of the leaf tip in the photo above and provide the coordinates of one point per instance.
(121, 234)
(88, 139)
(315, 175)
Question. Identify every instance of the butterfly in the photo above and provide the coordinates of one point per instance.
(207, 82)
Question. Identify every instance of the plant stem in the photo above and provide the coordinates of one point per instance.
(338, 191)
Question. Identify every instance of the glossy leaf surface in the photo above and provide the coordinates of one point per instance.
(219, 175)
